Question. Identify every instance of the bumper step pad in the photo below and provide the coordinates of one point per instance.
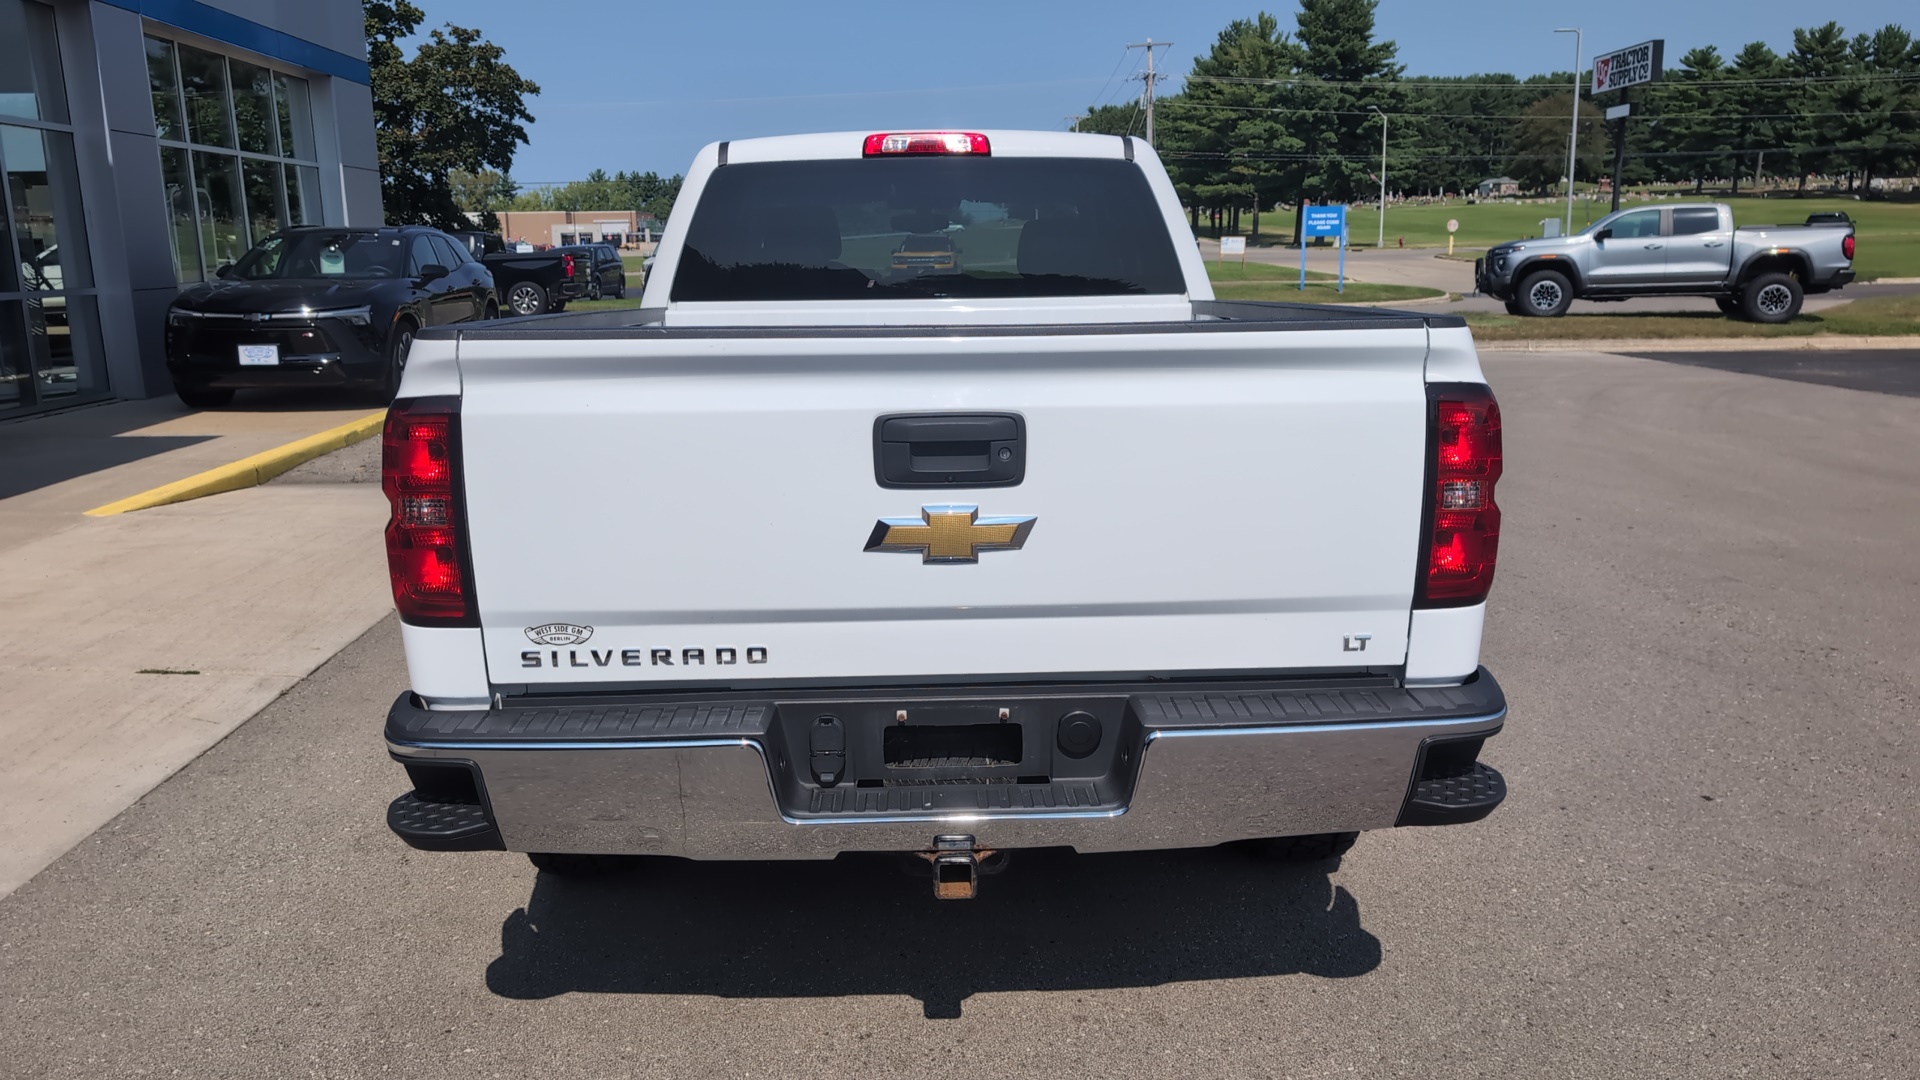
(438, 826)
(1467, 795)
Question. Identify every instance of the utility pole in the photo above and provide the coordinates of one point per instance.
(1075, 120)
(1382, 242)
(1150, 77)
(1573, 132)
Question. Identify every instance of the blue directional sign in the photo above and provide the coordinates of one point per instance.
(1325, 221)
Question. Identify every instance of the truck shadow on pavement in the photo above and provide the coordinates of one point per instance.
(1053, 921)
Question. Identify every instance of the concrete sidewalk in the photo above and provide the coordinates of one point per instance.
(130, 644)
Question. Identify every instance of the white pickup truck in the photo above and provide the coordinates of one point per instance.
(1033, 544)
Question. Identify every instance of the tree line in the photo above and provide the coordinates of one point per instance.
(1269, 117)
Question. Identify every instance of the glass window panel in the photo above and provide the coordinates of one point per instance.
(43, 198)
(180, 199)
(16, 361)
(203, 78)
(296, 117)
(303, 195)
(70, 366)
(253, 107)
(216, 200)
(30, 83)
(166, 91)
(265, 210)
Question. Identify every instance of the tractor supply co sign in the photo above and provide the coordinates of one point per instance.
(1631, 66)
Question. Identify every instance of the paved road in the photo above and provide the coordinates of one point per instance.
(1704, 622)
(1885, 371)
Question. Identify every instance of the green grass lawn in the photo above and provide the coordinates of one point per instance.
(1234, 280)
(1878, 315)
(609, 304)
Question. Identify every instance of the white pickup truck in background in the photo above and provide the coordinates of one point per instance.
(825, 551)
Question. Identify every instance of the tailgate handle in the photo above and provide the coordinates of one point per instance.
(950, 450)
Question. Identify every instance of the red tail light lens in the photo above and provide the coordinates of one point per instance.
(927, 142)
(1464, 541)
(1846, 247)
(567, 260)
(419, 471)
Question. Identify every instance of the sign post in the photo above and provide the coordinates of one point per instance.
(1233, 245)
(1453, 226)
(1621, 70)
(1323, 221)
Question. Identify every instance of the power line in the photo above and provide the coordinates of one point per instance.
(1185, 103)
(1422, 84)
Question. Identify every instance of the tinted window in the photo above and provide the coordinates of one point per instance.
(322, 255)
(1015, 227)
(1637, 224)
(1697, 220)
(450, 256)
(420, 254)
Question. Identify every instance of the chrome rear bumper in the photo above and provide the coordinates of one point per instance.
(716, 781)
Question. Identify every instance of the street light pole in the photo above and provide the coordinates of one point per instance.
(1573, 131)
(1382, 241)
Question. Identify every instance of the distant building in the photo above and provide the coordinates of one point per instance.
(1497, 187)
(546, 228)
(144, 144)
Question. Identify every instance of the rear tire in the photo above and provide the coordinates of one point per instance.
(526, 298)
(1546, 294)
(399, 345)
(1514, 308)
(1317, 847)
(492, 312)
(1771, 298)
(202, 397)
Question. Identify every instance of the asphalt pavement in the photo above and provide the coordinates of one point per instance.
(1704, 624)
(1880, 371)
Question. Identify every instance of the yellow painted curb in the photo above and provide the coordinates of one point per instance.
(249, 471)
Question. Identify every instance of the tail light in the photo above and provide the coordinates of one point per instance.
(1846, 247)
(927, 142)
(1463, 539)
(567, 261)
(420, 473)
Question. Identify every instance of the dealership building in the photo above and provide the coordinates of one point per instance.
(145, 143)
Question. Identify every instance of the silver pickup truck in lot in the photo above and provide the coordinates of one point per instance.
(1037, 544)
(1757, 272)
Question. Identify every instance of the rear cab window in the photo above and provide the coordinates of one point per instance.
(902, 228)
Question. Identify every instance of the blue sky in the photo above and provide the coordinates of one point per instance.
(634, 85)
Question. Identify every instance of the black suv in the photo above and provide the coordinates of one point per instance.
(606, 274)
(321, 306)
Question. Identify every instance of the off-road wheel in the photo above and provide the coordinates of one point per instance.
(1317, 847)
(202, 397)
(1771, 298)
(1514, 308)
(526, 298)
(1545, 294)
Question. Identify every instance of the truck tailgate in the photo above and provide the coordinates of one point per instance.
(672, 506)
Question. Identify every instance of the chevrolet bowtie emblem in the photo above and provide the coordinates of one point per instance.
(950, 534)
